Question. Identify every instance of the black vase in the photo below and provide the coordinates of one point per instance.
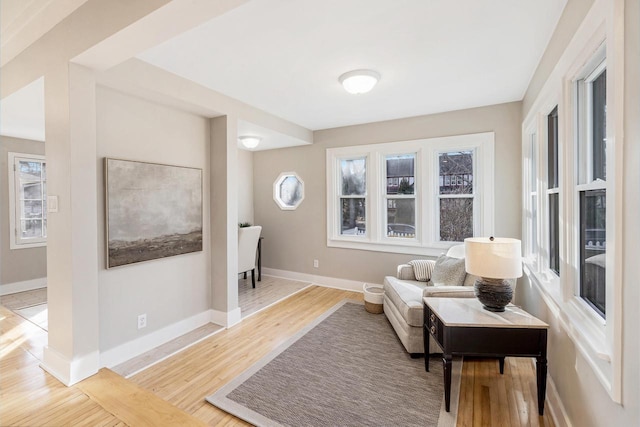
(494, 294)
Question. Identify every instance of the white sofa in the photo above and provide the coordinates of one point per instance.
(403, 302)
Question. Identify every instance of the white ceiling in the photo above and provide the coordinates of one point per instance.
(285, 56)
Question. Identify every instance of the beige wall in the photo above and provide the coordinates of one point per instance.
(293, 239)
(245, 186)
(17, 265)
(586, 402)
(171, 289)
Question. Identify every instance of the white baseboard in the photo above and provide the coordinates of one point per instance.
(555, 407)
(226, 318)
(136, 347)
(27, 285)
(327, 282)
(68, 371)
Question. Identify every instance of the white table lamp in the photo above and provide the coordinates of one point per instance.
(493, 259)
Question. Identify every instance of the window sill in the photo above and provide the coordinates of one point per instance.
(409, 248)
(585, 331)
(14, 246)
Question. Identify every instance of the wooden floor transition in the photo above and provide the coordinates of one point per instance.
(172, 392)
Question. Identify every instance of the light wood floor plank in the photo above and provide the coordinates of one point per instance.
(132, 404)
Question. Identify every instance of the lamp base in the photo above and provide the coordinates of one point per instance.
(494, 294)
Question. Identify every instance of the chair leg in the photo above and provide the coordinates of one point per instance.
(253, 277)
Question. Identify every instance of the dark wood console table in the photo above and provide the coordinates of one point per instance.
(463, 328)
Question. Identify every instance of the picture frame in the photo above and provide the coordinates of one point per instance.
(152, 211)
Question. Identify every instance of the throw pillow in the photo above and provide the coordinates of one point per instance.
(422, 269)
(448, 272)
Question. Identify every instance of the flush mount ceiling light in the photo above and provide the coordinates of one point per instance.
(359, 81)
(250, 141)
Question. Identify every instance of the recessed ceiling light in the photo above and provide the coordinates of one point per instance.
(250, 141)
(359, 81)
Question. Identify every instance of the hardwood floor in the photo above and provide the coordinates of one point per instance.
(174, 389)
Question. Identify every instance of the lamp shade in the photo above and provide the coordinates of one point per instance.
(493, 257)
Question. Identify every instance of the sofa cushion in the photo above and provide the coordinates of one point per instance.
(449, 292)
(406, 296)
(422, 269)
(448, 271)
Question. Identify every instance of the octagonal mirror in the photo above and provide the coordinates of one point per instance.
(288, 190)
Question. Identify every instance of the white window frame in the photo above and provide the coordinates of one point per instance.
(583, 168)
(15, 240)
(597, 340)
(530, 179)
(426, 241)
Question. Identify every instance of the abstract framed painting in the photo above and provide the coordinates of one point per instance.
(152, 211)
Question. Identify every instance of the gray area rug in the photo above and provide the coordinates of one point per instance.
(347, 368)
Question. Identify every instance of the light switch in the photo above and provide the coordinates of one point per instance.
(52, 203)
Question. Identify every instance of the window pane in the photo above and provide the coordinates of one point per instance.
(552, 141)
(401, 174)
(456, 219)
(534, 225)
(599, 131)
(31, 191)
(31, 228)
(353, 177)
(352, 216)
(533, 163)
(31, 209)
(593, 240)
(554, 233)
(456, 172)
(29, 170)
(401, 218)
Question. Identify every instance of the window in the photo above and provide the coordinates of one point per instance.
(414, 197)
(553, 191)
(27, 196)
(591, 109)
(353, 196)
(581, 200)
(400, 196)
(455, 194)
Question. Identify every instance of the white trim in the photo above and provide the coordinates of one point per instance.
(324, 281)
(226, 318)
(69, 372)
(554, 405)
(26, 285)
(137, 346)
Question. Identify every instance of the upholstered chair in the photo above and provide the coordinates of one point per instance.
(247, 248)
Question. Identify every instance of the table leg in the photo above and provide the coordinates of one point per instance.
(501, 360)
(259, 260)
(425, 336)
(446, 361)
(541, 380)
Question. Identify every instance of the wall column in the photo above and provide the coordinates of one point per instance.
(72, 353)
(224, 220)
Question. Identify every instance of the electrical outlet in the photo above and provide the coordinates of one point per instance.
(316, 264)
(142, 321)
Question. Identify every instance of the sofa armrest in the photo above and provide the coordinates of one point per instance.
(449, 292)
(405, 272)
